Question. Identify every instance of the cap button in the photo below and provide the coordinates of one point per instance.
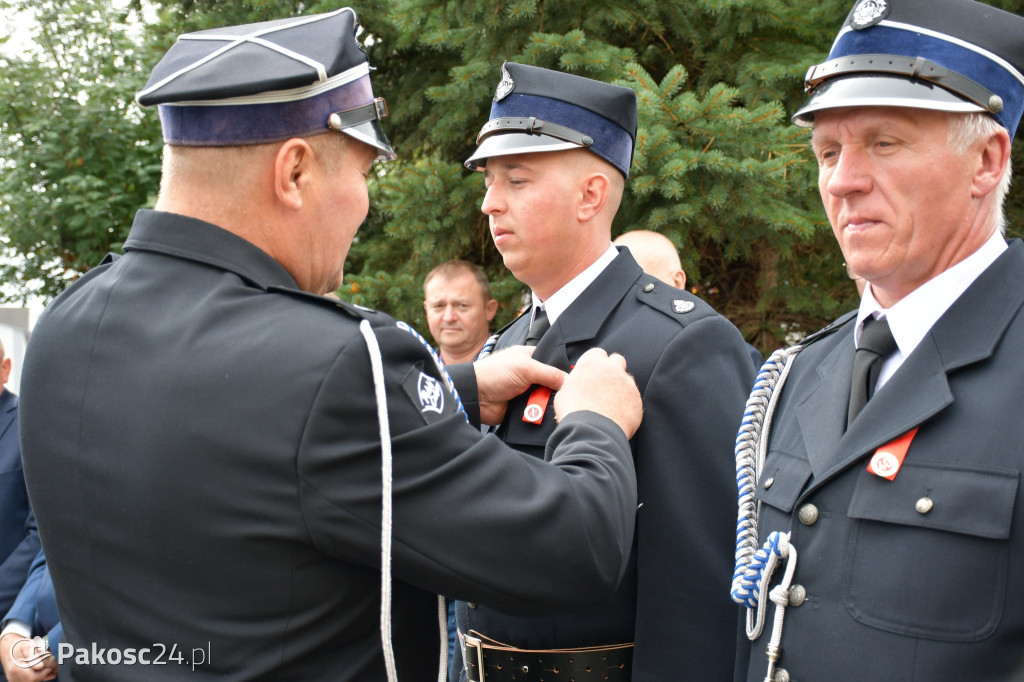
(995, 103)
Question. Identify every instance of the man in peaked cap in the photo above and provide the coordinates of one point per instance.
(888, 504)
(224, 460)
(555, 156)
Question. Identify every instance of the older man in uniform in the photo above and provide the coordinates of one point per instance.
(242, 479)
(555, 156)
(882, 509)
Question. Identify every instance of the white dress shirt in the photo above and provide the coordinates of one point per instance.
(559, 301)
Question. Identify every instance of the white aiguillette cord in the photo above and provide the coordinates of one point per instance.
(377, 368)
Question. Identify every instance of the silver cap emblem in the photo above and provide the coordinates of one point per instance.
(506, 86)
(868, 13)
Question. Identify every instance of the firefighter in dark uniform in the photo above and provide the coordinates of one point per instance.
(555, 156)
(881, 461)
(239, 478)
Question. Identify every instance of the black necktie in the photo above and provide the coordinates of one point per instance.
(539, 325)
(876, 343)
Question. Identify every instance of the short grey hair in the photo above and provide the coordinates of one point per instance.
(967, 129)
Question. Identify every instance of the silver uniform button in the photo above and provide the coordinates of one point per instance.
(808, 514)
(649, 287)
(768, 482)
(781, 675)
(924, 505)
(797, 595)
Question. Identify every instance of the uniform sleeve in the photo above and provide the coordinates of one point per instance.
(15, 567)
(473, 519)
(693, 404)
(24, 606)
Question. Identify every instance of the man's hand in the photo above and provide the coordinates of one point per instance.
(599, 383)
(14, 646)
(506, 374)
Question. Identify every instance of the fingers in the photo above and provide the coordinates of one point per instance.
(545, 375)
(524, 371)
(599, 383)
(597, 354)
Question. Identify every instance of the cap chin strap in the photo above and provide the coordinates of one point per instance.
(916, 68)
(533, 126)
(375, 110)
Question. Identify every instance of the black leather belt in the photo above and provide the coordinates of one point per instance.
(502, 663)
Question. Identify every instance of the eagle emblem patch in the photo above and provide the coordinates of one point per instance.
(431, 396)
(427, 394)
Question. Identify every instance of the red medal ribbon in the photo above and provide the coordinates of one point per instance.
(537, 405)
(888, 459)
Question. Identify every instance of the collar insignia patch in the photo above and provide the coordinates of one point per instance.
(680, 306)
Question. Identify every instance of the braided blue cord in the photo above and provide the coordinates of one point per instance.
(488, 347)
(751, 561)
(440, 366)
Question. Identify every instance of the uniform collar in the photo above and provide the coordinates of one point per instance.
(557, 302)
(191, 239)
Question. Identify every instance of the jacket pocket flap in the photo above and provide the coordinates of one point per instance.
(782, 480)
(971, 500)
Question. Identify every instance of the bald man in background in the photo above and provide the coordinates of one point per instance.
(658, 256)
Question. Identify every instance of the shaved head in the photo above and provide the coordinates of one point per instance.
(656, 254)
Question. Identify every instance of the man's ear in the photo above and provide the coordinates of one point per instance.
(594, 195)
(995, 154)
(292, 169)
(491, 308)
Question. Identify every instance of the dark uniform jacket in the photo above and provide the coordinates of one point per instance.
(693, 371)
(203, 444)
(922, 577)
(19, 541)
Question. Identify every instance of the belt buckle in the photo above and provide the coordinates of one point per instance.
(474, 642)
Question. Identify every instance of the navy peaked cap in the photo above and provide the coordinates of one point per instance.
(947, 55)
(267, 82)
(539, 110)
